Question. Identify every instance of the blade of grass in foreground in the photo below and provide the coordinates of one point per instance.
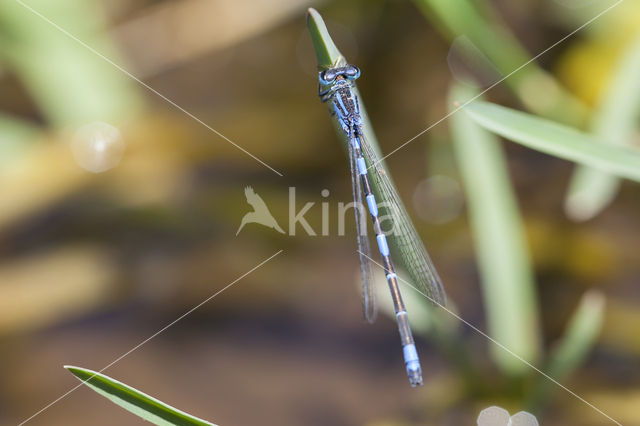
(133, 400)
(501, 249)
(555, 139)
(615, 122)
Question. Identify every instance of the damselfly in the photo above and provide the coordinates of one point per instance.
(336, 85)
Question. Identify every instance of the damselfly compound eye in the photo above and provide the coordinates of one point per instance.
(352, 72)
(328, 76)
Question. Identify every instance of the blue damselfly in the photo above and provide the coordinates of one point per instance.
(336, 85)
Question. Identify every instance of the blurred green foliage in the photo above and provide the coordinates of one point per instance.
(499, 236)
(536, 88)
(42, 42)
(615, 121)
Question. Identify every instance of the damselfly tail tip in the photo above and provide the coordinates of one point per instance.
(412, 364)
(415, 377)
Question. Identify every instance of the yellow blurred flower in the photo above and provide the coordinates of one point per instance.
(586, 66)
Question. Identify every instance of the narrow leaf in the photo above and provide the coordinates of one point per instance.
(133, 400)
(557, 140)
(581, 333)
(580, 336)
(326, 51)
(501, 248)
(616, 123)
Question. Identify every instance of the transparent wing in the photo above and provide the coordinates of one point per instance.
(369, 307)
(403, 235)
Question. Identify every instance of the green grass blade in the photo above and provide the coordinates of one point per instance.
(557, 140)
(140, 404)
(503, 258)
(580, 336)
(480, 24)
(326, 51)
(615, 122)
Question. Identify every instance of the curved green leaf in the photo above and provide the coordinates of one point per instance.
(555, 139)
(615, 122)
(133, 400)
